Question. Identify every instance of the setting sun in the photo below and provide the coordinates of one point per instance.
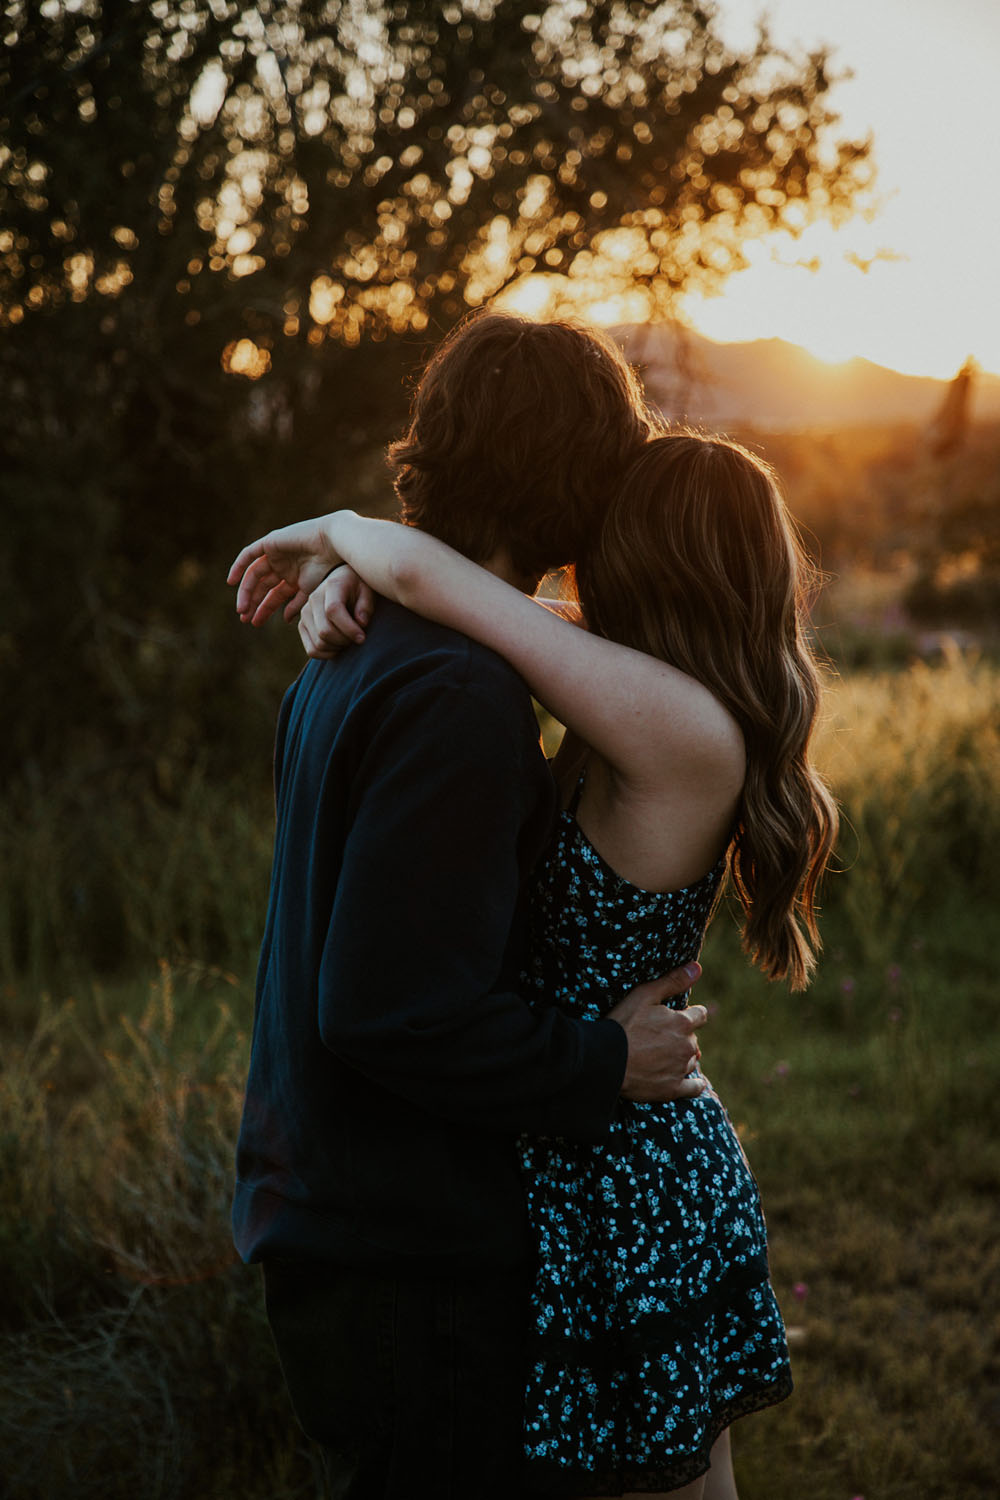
(910, 283)
(842, 293)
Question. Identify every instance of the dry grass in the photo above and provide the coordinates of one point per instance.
(134, 1361)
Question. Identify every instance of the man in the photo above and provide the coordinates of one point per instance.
(394, 1062)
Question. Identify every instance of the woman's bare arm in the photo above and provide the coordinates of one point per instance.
(644, 717)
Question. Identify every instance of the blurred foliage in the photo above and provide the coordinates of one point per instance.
(384, 147)
(227, 233)
(957, 537)
(917, 529)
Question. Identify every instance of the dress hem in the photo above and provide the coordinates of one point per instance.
(563, 1483)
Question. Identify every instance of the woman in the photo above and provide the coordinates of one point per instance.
(689, 702)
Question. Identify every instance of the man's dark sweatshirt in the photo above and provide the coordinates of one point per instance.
(394, 1062)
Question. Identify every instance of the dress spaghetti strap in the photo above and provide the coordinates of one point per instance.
(574, 801)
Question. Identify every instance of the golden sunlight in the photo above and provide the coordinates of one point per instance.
(244, 357)
(838, 293)
(843, 293)
(912, 283)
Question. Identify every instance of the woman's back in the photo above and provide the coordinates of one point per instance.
(667, 829)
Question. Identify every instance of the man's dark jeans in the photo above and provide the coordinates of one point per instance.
(413, 1385)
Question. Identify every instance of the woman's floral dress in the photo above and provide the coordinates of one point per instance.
(653, 1324)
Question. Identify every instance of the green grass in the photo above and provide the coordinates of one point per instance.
(101, 874)
(134, 1359)
(871, 1119)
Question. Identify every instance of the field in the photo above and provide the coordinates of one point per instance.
(134, 1361)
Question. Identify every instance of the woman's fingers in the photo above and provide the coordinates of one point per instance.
(269, 583)
(256, 582)
(295, 605)
(320, 635)
(243, 560)
(310, 635)
(306, 635)
(364, 606)
(339, 627)
(276, 597)
(332, 613)
(331, 608)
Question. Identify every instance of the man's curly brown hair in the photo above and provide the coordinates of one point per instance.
(519, 433)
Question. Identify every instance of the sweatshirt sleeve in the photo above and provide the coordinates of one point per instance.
(408, 985)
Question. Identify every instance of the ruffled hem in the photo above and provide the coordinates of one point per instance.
(565, 1482)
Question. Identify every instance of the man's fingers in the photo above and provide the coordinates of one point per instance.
(666, 1090)
(697, 1015)
(669, 985)
(683, 978)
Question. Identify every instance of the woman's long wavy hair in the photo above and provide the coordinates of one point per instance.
(699, 564)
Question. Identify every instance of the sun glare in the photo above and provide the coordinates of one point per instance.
(548, 295)
(532, 296)
(838, 293)
(842, 294)
(912, 286)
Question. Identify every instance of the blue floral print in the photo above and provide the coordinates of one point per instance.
(653, 1321)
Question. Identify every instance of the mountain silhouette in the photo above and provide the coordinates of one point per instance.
(777, 386)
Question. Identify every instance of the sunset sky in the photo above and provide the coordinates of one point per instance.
(913, 284)
(925, 83)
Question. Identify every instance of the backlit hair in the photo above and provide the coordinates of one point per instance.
(699, 563)
(518, 434)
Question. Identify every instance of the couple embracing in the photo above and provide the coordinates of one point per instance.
(511, 1245)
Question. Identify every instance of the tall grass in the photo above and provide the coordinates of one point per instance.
(101, 876)
(134, 1360)
(915, 761)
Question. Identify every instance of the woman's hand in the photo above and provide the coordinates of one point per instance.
(281, 570)
(335, 613)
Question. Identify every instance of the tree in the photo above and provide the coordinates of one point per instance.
(411, 156)
(229, 229)
(954, 521)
